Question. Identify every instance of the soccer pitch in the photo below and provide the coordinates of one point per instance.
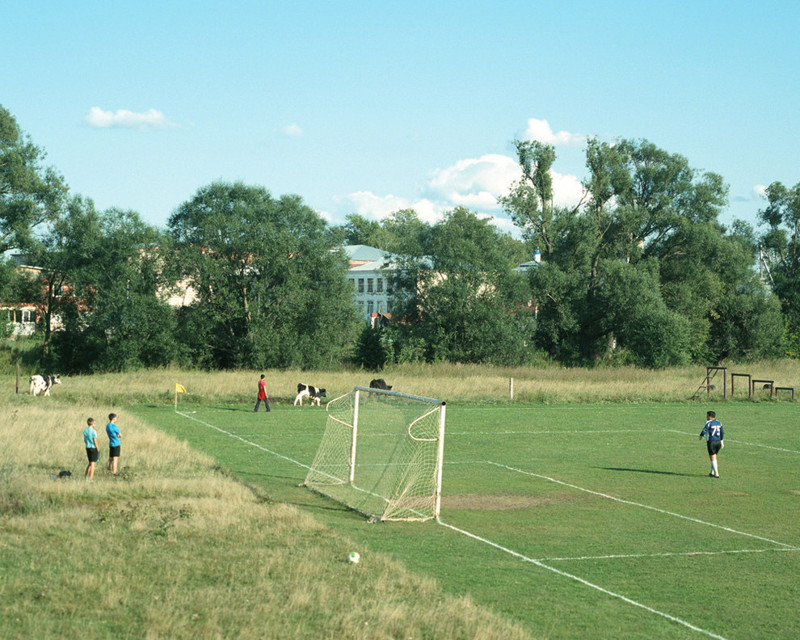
(578, 521)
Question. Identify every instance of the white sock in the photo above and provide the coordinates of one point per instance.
(714, 468)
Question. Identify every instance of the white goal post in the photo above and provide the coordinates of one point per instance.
(381, 454)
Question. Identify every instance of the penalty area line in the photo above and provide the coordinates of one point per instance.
(642, 506)
(582, 581)
(666, 554)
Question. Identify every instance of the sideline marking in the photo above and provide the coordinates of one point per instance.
(643, 506)
(613, 594)
(749, 444)
(252, 444)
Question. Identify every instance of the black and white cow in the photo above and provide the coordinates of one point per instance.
(307, 391)
(43, 383)
(379, 383)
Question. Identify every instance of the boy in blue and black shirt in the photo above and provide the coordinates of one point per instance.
(714, 434)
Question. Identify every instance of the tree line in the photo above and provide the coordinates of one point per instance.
(640, 272)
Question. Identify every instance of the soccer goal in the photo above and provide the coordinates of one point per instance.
(381, 454)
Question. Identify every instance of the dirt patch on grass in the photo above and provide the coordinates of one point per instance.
(734, 493)
(505, 502)
(795, 492)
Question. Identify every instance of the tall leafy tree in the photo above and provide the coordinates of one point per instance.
(271, 283)
(780, 255)
(464, 298)
(114, 305)
(30, 194)
(647, 234)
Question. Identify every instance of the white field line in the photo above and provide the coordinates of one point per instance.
(536, 432)
(583, 432)
(643, 506)
(749, 444)
(613, 594)
(240, 438)
(667, 554)
(274, 453)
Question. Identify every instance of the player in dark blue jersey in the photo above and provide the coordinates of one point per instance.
(714, 434)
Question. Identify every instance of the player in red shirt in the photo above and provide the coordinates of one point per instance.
(262, 394)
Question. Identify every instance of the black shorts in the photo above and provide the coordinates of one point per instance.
(714, 446)
(93, 454)
(113, 452)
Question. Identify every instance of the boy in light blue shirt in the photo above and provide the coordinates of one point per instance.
(114, 444)
(92, 452)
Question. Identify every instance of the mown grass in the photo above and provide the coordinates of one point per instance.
(730, 538)
(176, 548)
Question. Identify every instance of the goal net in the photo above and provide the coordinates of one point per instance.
(381, 454)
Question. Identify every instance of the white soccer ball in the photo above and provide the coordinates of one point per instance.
(353, 557)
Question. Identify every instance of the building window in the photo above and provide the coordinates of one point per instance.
(370, 307)
(380, 306)
(369, 285)
(380, 285)
(361, 285)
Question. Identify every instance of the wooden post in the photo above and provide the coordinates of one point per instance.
(511, 388)
(17, 376)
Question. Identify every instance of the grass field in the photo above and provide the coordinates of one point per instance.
(576, 521)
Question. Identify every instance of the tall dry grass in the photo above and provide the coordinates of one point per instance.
(461, 383)
(173, 548)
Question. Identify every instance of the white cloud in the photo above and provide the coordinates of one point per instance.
(477, 183)
(124, 119)
(292, 130)
(474, 183)
(760, 191)
(567, 189)
(540, 130)
(377, 207)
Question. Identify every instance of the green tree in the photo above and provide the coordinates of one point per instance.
(402, 232)
(780, 255)
(271, 284)
(464, 299)
(370, 350)
(30, 194)
(113, 304)
(646, 239)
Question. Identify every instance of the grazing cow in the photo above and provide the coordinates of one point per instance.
(307, 391)
(379, 383)
(43, 383)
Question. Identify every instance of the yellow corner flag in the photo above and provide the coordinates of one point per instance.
(179, 388)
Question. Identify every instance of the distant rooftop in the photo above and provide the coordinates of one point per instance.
(363, 253)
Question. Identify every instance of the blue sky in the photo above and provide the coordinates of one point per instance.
(368, 107)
